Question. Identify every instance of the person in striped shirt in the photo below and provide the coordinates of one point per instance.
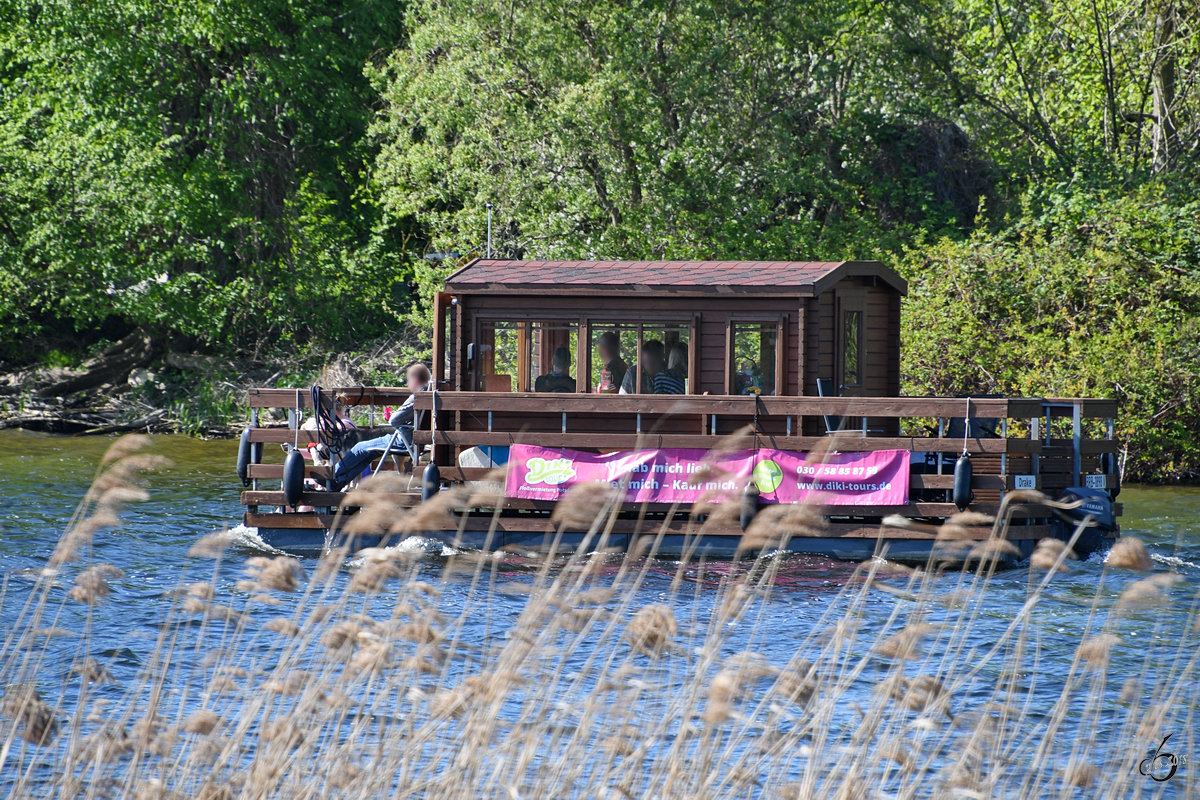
(673, 379)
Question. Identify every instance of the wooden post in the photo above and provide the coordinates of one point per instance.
(801, 355)
(583, 357)
(1076, 441)
(637, 360)
(456, 363)
(1035, 434)
(693, 351)
(440, 302)
(523, 347)
(729, 355)
(780, 361)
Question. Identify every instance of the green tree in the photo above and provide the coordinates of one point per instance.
(653, 129)
(1097, 297)
(196, 169)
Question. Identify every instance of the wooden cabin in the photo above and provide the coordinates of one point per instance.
(776, 328)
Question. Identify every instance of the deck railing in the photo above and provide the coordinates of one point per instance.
(1015, 443)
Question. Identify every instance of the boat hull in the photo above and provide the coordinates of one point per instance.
(901, 549)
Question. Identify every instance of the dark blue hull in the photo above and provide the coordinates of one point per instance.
(310, 542)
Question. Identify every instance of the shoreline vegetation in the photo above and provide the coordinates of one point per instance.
(363, 674)
(131, 386)
(258, 191)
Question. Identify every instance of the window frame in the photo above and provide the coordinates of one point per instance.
(850, 302)
(763, 318)
(597, 323)
(584, 327)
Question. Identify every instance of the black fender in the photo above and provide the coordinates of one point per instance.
(963, 471)
(432, 481)
(749, 509)
(243, 457)
(293, 478)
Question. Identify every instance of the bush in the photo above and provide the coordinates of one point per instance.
(1092, 294)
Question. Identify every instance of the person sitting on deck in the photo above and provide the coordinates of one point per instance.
(652, 361)
(557, 379)
(615, 368)
(402, 419)
(673, 379)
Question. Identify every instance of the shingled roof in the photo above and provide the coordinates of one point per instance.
(676, 277)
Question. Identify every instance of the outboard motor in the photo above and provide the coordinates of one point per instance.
(1097, 505)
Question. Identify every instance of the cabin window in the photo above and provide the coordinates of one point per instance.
(753, 357)
(513, 355)
(631, 338)
(545, 339)
(852, 348)
(503, 356)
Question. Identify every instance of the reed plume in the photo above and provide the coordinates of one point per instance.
(509, 674)
(1129, 552)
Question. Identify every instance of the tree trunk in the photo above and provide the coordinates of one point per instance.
(111, 366)
(1164, 136)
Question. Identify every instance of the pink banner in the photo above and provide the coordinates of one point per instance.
(876, 478)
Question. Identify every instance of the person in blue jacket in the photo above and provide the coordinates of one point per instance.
(358, 457)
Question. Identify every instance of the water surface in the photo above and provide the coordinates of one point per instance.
(44, 478)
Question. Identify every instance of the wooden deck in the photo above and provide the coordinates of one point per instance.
(1046, 444)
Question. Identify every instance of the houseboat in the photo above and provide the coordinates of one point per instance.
(784, 404)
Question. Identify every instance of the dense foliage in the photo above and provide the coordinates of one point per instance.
(248, 177)
(194, 168)
(1096, 296)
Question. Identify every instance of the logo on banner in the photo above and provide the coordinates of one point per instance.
(767, 476)
(550, 471)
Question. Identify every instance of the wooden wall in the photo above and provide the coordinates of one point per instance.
(810, 325)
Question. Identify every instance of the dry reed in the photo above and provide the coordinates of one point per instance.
(582, 675)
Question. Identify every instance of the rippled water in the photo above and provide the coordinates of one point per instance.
(44, 478)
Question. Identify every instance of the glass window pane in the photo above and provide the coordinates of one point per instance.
(618, 358)
(500, 356)
(552, 367)
(611, 346)
(753, 357)
(852, 348)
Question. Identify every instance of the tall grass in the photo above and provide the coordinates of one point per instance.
(359, 675)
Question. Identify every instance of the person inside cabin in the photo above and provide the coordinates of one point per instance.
(673, 379)
(653, 359)
(748, 379)
(358, 457)
(612, 375)
(557, 379)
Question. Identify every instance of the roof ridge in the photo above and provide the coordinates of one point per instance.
(678, 275)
